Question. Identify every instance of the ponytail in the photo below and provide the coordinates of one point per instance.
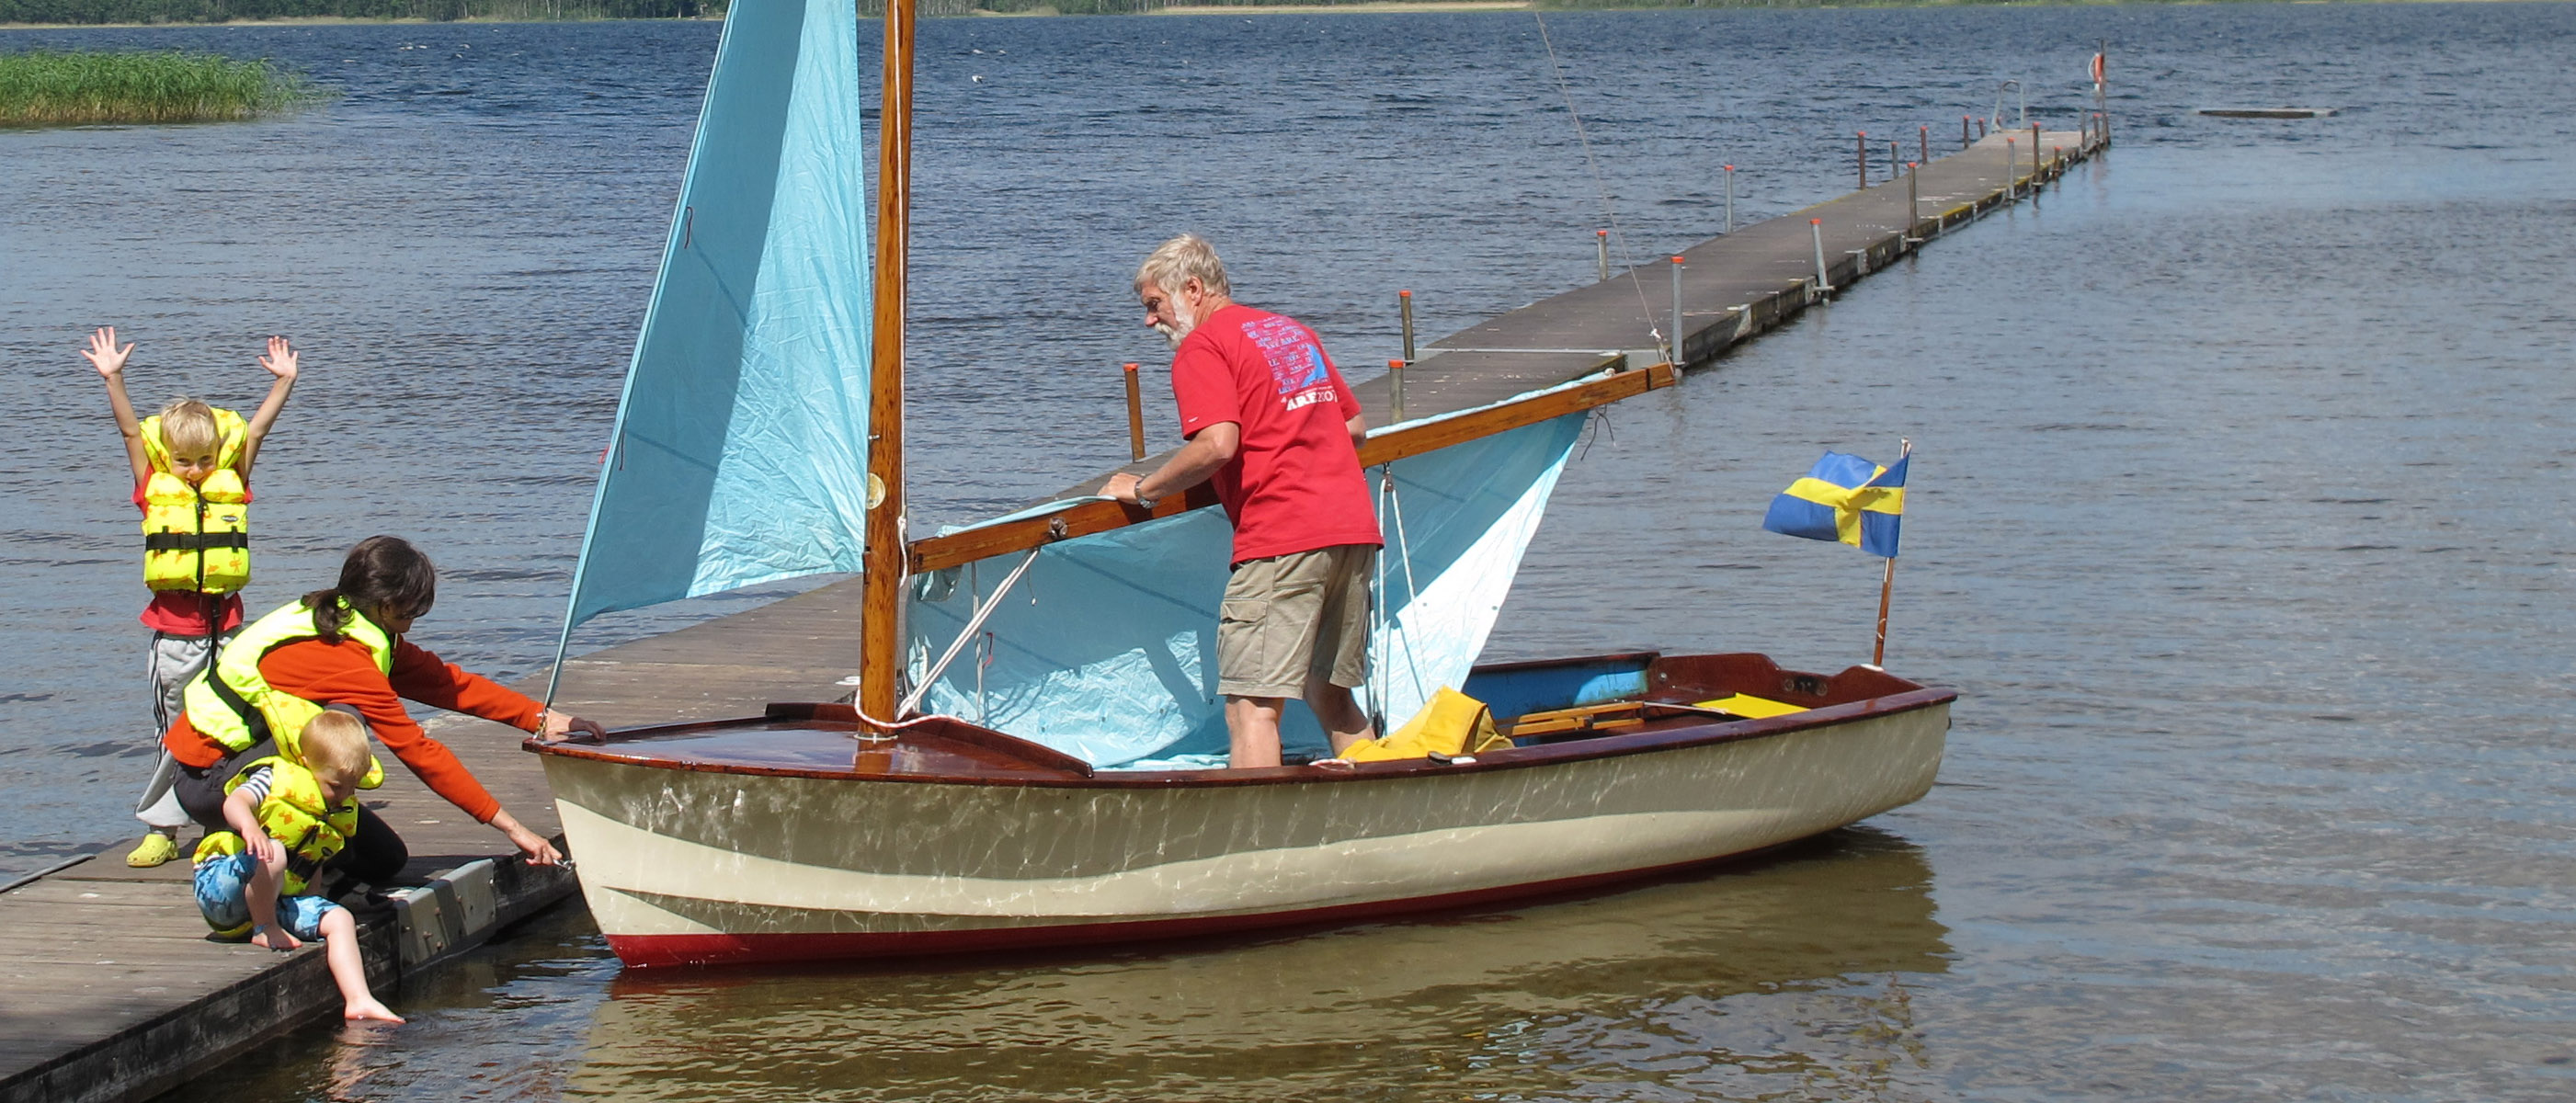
(381, 573)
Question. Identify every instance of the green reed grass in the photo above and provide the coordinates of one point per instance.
(47, 87)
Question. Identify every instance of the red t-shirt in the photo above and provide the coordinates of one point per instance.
(1294, 484)
(186, 612)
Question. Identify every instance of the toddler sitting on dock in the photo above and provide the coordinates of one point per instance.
(289, 813)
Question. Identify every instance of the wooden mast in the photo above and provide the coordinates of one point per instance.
(881, 604)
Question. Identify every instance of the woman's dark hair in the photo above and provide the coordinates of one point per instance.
(382, 573)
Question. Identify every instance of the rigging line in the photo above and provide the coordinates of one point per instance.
(965, 635)
(1412, 593)
(1382, 628)
(1671, 346)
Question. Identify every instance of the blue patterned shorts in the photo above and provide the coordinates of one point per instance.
(223, 895)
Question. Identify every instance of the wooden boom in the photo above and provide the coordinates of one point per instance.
(957, 549)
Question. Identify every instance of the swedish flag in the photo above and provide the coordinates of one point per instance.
(1844, 498)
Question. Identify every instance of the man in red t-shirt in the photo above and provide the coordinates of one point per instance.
(1268, 418)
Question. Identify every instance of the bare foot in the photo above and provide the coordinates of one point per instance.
(369, 1010)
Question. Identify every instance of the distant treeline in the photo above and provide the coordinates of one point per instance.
(937, 8)
(225, 11)
(540, 11)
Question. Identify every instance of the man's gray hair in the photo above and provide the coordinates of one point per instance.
(1175, 263)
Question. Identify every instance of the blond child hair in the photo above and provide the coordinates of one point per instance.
(334, 746)
(188, 428)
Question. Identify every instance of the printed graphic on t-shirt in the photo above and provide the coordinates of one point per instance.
(1297, 366)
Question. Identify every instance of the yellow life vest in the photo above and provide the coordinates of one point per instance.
(1450, 723)
(232, 703)
(197, 537)
(311, 829)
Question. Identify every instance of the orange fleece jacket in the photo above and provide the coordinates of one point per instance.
(344, 674)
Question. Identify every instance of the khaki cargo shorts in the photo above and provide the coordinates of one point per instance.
(1289, 616)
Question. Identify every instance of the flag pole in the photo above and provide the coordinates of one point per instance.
(1887, 581)
(1886, 587)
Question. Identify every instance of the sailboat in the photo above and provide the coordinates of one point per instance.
(1056, 787)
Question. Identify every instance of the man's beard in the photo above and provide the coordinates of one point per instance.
(1179, 327)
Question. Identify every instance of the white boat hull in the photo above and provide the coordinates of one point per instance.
(685, 865)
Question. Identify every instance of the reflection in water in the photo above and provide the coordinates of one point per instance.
(1641, 987)
(1790, 977)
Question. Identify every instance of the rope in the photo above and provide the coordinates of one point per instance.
(1609, 209)
(1404, 555)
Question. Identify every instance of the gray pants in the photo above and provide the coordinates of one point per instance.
(172, 662)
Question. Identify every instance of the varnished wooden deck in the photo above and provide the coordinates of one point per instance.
(110, 990)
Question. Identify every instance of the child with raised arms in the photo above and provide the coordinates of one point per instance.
(191, 465)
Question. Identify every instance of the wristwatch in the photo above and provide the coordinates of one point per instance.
(1141, 499)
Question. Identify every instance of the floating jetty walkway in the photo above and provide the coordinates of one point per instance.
(111, 990)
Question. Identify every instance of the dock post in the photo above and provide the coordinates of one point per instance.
(2101, 89)
(1913, 198)
(1817, 227)
(1730, 199)
(1135, 417)
(1981, 128)
(2034, 157)
(1395, 391)
(1864, 160)
(2012, 164)
(1601, 241)
(1926, 151)
(1676, 358)
(1895, 159)
(1404, 300)
(1963, 132)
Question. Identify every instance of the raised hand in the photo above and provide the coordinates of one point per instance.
(280, 360)
(103, 354)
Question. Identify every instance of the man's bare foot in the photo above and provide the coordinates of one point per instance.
(369, 1010)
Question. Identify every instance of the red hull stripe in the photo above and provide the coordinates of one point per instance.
(651, 951)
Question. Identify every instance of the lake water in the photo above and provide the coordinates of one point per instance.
(2240, 519)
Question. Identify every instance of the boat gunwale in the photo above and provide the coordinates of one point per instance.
(1042, 775)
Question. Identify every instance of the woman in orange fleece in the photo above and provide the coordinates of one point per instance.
(343, 647)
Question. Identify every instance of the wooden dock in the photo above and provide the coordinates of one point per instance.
(111, 990)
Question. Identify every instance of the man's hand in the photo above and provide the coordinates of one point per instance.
(1122, 486)
(103, 353)
(280, 360)
(555, 727)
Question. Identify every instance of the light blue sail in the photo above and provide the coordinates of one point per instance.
(739, 455)
(1106, 648)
